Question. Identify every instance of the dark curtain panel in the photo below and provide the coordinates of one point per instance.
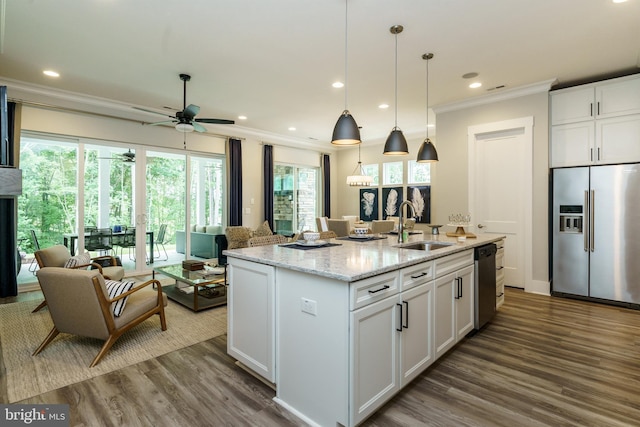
(267, 170)
(326, 183)
(8, 224)
(235, 182)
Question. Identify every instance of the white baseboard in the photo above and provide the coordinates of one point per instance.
(538, 287)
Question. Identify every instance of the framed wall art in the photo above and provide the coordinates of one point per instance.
(420, 197)
(368, 204)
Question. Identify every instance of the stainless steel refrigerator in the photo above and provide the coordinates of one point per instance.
(596, 232)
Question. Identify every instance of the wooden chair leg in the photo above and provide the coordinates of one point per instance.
(105, 347)
(42, 304)
(163, 320)
(54, 333)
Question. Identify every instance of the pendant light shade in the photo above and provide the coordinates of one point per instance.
(396, 144)
(346, 131)
(427, 152)
(358, 178)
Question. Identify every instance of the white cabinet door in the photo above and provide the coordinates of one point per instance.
(374, 369)
(572, 144)
(416, 340)
(572, 106)
(444, 314)
(465, 303)
(250, 316)
(617, 98)
(618, 139)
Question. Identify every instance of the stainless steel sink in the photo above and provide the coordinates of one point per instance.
(424, 246)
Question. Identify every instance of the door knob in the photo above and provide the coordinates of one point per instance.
(480, 226)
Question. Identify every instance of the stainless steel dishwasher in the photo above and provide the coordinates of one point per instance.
(485, 284)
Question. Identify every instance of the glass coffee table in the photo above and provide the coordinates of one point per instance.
(197, 290)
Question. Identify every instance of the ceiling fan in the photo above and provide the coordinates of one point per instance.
(185, 120)
(126, 157)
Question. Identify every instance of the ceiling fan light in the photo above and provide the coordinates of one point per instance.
(346, 130)
(427, 152)
(184, 127)
(396, 144)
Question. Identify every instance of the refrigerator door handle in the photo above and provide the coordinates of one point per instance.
(586, 229)
(592, 221)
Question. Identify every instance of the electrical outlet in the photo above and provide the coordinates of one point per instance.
(309, 306)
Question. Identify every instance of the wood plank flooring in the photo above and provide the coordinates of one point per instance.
(542, 361)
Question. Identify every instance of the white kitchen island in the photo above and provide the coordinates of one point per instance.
(339, 330)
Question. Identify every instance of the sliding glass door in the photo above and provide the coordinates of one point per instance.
(295, 198)
(75, 188)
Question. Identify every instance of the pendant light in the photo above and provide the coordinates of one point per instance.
(427, 152)
(358, 178)
(396, 144)
(346, 131)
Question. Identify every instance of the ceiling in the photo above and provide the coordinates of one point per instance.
(274, 61)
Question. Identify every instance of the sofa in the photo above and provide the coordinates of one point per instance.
(203, 240)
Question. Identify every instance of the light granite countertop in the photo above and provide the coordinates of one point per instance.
(355, 260)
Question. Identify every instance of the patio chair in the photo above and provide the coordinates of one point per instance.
(36, 245)
(59, 256)
(81, 303)
(161, 240)
(100, 240)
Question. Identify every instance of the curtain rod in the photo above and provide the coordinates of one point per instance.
(293, 146)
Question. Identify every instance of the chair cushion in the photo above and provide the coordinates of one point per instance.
(238, 237)
(263, 230)
(113, 273)
(114, 289)
(74, 261)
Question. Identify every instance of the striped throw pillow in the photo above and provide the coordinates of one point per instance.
(74, 261)
(114, 289)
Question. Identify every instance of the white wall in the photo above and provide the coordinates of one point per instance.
(450, 192)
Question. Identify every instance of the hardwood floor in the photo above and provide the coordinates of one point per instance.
(542, 361)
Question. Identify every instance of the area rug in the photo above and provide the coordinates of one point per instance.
(66, 359)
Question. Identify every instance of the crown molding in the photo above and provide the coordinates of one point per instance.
(503, 95)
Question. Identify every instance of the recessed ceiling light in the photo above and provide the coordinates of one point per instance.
(619, 1)
(242, 117)
(292, 128)
(469, 75)
(383, 106)
(475, 85)
(431, 125)
(50, 73)
(338, 85)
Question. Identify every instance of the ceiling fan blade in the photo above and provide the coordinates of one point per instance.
(163, 123)
(191, 111)
(216, 121)
(198, 127)
(152, 112)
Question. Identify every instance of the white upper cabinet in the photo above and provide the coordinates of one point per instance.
(596, 124)
(612, 98)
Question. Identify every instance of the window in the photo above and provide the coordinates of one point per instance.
(392, 173)
(373, 172)
(419, 173)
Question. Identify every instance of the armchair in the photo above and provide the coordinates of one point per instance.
(79, 304)
(59, 256)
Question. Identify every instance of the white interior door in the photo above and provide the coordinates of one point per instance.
(500, 190)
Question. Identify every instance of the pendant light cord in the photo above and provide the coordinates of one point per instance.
(346, 35)
(396, 78)
(427, 97)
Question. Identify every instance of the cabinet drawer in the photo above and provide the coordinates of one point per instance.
(416, 275)
(453, 262)
(367, 291)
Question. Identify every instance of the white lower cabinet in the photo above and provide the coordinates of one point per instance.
(454, 305)
(250, 316)
(392, 342)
